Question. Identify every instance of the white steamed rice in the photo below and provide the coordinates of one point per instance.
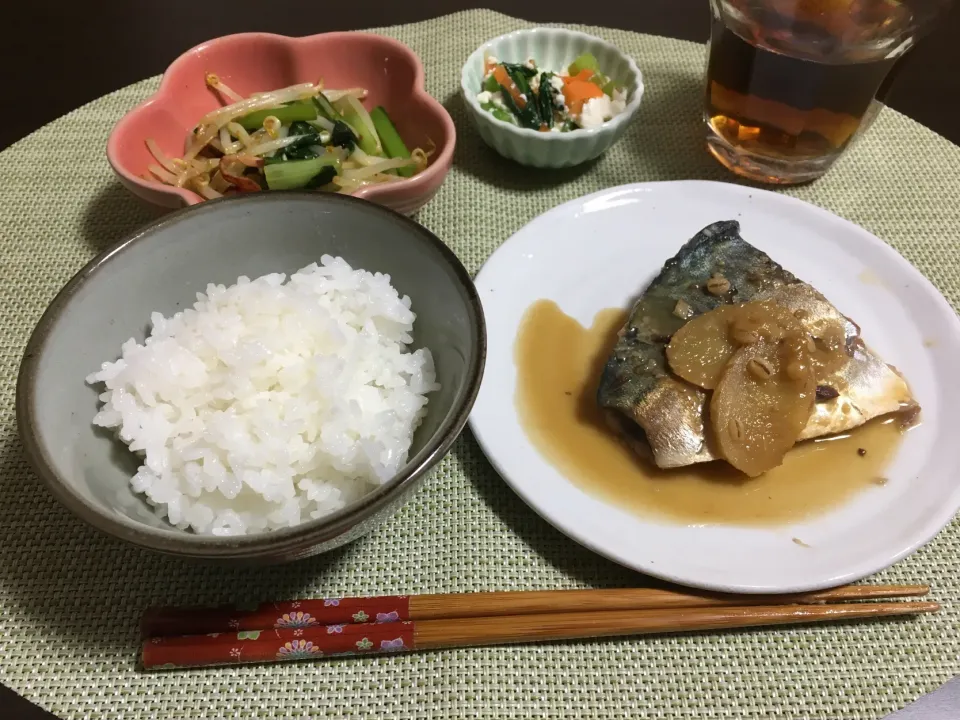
(269, 402)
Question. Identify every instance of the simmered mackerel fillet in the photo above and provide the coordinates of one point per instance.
(662, 415)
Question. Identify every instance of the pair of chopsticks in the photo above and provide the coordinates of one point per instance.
(311, 629)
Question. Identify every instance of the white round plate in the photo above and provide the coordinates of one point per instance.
(599, 251)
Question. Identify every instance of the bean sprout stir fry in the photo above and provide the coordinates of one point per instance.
(302, 136)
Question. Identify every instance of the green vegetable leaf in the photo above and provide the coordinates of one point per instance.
(390, 139)
(299, 110)
(545, 100)
(324, 177)
(520, 79)
(519, 69)
(302, 149)
(297, 152)
(302, 128)
(325, 108)
(525, 116)
(585, 62)
(609, 88)
(301, 173)
(342, 136)
(498, 112)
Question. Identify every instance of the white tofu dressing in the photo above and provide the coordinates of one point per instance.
(595, 112)
(495, 98)
(557, 83)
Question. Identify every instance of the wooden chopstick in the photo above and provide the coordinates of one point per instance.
(567, 626)
(305, 613)
(280, 644)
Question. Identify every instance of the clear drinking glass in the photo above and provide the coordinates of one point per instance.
(789, 82)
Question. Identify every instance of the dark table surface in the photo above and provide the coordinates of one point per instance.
(57, 56)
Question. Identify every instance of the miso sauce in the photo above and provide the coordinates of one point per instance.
(558, 369)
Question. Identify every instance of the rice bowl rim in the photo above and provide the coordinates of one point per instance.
(290, 542)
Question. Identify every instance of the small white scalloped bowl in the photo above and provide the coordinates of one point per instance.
(552, 49)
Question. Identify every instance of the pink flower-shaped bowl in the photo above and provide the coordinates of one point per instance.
(255, 62)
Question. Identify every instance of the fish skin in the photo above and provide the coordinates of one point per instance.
(660, 415)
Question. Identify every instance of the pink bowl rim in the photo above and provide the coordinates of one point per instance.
(422, 183)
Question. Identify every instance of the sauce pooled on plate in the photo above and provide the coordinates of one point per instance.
(558, 365)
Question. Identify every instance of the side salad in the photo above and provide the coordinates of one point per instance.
(580, 96)
(302, 136)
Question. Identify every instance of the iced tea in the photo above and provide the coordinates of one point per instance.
(790, 81)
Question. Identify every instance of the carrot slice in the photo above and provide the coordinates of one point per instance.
(585, 75)
(577, 92)
(503, 77)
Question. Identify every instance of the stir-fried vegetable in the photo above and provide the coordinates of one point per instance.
(291, 112)
(354, 115)
(577, 97)
(324, 106)
(393, 144)
(303, 136)
(343, 136)
(315, 172)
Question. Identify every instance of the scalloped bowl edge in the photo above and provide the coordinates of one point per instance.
(551, 48)
(424, 115)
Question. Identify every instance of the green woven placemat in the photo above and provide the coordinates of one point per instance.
(70, 598)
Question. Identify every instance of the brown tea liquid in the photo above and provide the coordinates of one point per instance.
(793, 88)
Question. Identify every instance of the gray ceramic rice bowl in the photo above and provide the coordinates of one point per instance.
(161, 268)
